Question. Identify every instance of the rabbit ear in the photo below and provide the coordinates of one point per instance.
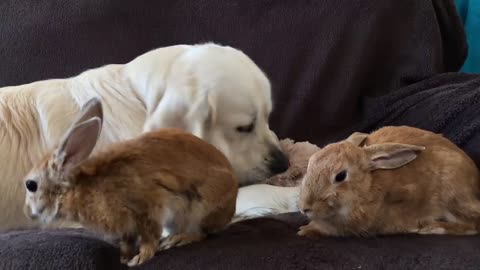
(357, 138)
(78, 144)
(92, 108)
(391, 155)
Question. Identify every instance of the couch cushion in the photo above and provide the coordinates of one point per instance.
(264, 243)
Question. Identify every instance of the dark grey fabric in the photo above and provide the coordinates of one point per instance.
(264, 243)
(447, 103)
(62, 249)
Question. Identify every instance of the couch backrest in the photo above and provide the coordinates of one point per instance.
(322, 56)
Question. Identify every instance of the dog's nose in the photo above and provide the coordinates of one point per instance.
(278, 162)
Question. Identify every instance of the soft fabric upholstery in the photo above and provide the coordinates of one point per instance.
(323, 57)
(336, 66)
(264, 243)
(446, 103)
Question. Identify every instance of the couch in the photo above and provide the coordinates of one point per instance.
(336, 66)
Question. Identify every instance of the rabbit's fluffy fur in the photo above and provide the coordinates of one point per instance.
(396, 180)
(135, 189)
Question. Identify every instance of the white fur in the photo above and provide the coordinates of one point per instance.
(206, 89)
(262, 200)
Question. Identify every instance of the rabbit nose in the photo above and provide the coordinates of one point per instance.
(29, 214)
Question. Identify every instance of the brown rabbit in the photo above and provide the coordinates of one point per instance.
(166, 180)
(396, 180)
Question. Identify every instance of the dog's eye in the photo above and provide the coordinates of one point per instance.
(246, 129)
(31, 185)
(340, 177)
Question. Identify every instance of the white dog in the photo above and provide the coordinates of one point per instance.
(215, 92)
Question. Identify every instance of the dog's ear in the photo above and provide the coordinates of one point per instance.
(202, 114)
(176, 112)
(152, 101)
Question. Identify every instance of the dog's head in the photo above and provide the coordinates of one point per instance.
(221, 96)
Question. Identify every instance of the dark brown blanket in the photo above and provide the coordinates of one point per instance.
(266, 243)
(446, 103)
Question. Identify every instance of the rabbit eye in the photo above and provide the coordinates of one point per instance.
(340, 177)
(31, 185)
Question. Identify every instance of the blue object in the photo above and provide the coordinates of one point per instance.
(469, 11)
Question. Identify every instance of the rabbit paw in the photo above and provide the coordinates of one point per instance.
(309, 231)
(146, 253)
(180, 240)
(139, 259)
(124, 259)
(127, 249)
(440, 227)
(432, 230)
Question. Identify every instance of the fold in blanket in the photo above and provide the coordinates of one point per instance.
(447, 104)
